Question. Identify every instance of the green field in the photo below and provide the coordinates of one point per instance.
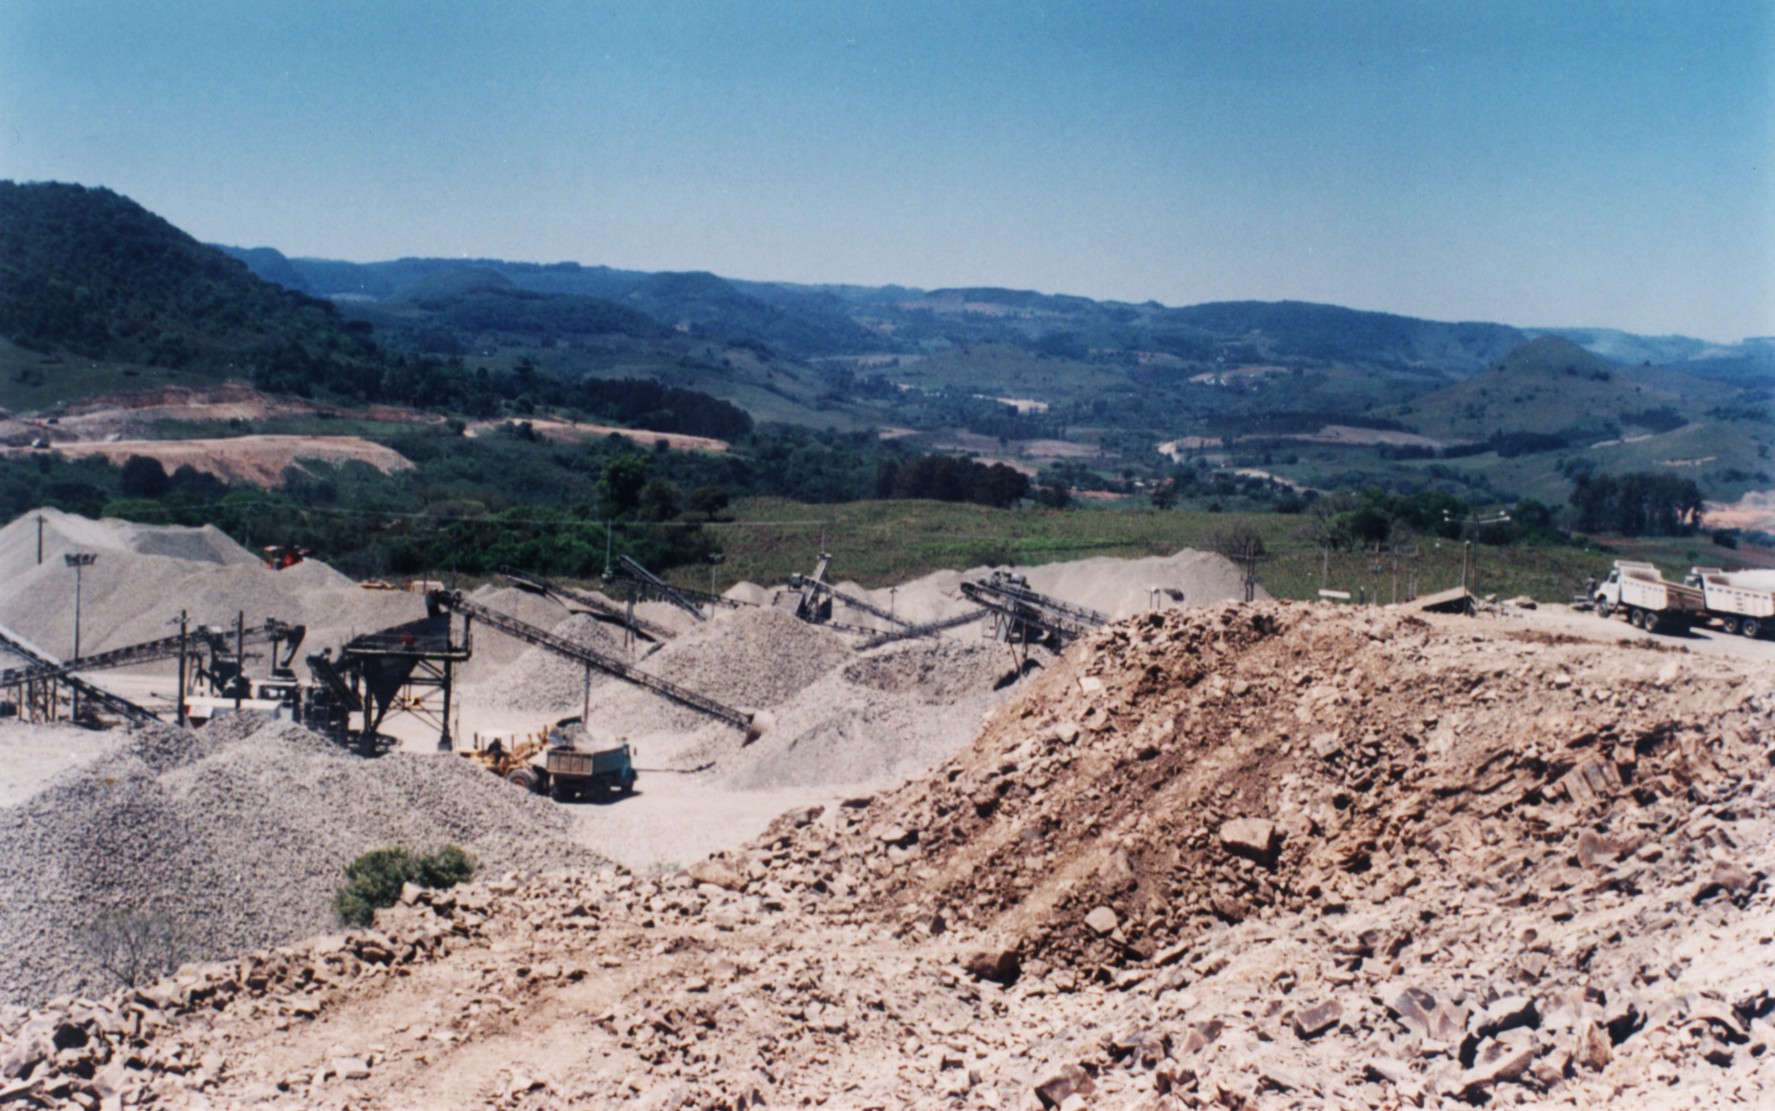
(882, 543)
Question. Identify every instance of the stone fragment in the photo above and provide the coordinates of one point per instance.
(716, 873)
(1064, 1083)
(1438, 1020)
(1498, 1061)
(351, 1068)
(1725, 877)
(1102, 920)
(1000, 966)
(1318, 1018)
(1592, 1049)
(1253, 838)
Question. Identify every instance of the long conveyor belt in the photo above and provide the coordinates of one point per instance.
(569, 595)
(610, 665)
(43, 665)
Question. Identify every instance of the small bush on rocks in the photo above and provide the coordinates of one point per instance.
(374, 880)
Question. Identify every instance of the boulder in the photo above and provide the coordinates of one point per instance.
(1252, 838)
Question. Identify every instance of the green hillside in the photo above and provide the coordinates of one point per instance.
(88, 275)
(1552, 386)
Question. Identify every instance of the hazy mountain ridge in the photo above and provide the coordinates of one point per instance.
(823, 320)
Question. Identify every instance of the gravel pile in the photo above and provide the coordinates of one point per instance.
(885, 716)
(538, 681)
(237, 835)
(145, 574)
(747, 659)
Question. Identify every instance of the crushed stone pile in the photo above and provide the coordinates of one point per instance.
(748, 659)
(1258, 856)
(145, 574)
(1117, 587)
(236, 835)
(881, 717)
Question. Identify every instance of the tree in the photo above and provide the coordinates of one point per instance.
(143, 477)
(660, 500)
(709, 500)
(619, 487)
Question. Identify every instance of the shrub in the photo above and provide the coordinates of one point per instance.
(374, 880)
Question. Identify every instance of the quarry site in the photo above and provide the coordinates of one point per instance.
(1088, 834)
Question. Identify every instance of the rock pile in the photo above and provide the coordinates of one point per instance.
(227, 838)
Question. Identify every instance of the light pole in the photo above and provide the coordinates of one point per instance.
(716, 559)
(78, 561)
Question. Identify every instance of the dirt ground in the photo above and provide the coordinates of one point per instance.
(259, 460)
(572, 431)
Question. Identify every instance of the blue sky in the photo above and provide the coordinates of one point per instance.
(1545, 163)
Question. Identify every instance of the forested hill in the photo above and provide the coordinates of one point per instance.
(815, 321)
(89, 273)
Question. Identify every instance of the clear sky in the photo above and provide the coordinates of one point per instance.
(1549, 162)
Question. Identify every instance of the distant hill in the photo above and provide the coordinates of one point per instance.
(1551, 386)
(88, 273)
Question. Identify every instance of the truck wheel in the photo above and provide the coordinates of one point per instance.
(1636, 617)
(1730, 625)
(1751, 627)
(1605, 608)
(525, 778)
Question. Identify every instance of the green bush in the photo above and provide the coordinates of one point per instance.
(374, 880)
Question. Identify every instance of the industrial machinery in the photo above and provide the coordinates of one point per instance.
(930, 629)
(207, 654)
(588, 602)
(815, 596)
(38, 686)
(591, 658)
(1023, 617)
(408, 668)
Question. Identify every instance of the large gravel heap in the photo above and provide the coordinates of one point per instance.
(145, 574)
(237, 836)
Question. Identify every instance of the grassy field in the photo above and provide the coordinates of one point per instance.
(880, 543)
(30, 382)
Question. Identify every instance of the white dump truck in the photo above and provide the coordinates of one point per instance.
(1647, 599)
(1740, 603)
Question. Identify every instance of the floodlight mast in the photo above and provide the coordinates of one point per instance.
(78, 561)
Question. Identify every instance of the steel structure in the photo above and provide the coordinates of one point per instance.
(570, 597)
(407, 669)
(591, 658)
(37, 685)
(659, 588)
(929, 629)
(1022, 616)
(817, 596)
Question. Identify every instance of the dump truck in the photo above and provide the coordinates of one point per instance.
(1737, 605)
(573, 764)
(1640, 593)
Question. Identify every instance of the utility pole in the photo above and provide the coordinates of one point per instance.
(184, 719)
(78, 561)
(240, 656)
(39, 539)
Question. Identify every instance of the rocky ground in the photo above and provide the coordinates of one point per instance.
(1248, 856)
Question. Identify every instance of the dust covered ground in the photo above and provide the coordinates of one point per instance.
(1245, 856)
